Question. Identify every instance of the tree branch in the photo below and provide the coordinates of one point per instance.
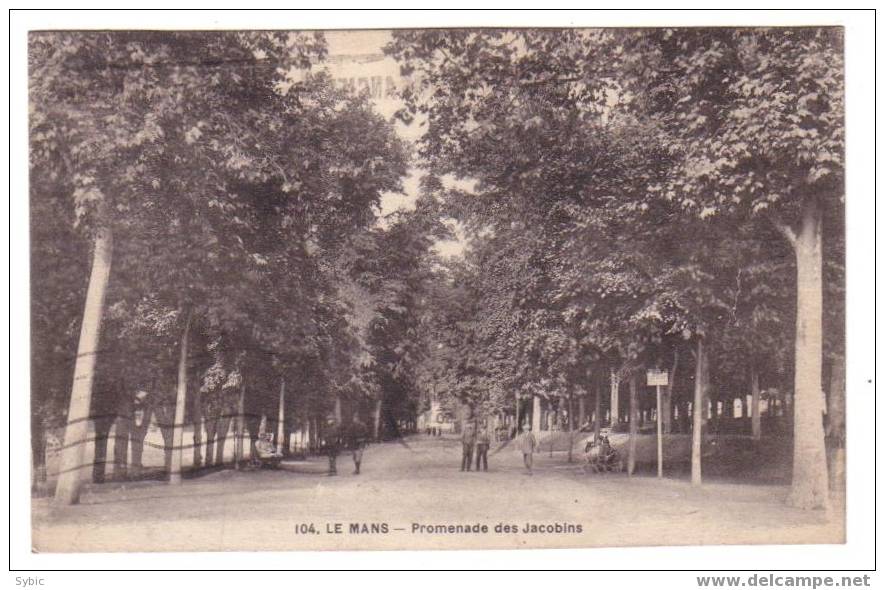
(785, 230)
(551, 80)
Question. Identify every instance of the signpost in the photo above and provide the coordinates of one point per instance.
(658, 378)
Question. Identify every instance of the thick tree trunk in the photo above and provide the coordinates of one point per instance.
(223, 431)
(122, 425)
(697, 412)
(287, 442)
(634, 424)
(165, 418)
(836, 425)
(180, 400)
(582, 410)
(756, 417)
(67, 490)
(809, 487)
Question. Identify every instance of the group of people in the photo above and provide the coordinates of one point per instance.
(353, 437)
(476, 438)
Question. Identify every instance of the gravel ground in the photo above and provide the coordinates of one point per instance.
(299, 507)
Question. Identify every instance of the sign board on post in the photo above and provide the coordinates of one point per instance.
(657, 377)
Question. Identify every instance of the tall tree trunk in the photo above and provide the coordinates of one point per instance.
(314, 434)
(836, 425)
(39, 484)
(165, 418)
(137, 433)
(376, 422)
(223, 431)
(122, 426)
(756, 417)
(597, 411)
(281, 420)
(67, 490)
(809, 487)
(197, 414)
(318, 432)
(728, 411)
(697, 412)
(240, 426)
(582, 410)
(99, 464)
(304, 437)
(667, 396)
(570, 423)
(615, 385)
(180, 400)
(634, 424)
(211, 424)
(536, 416)
(253, 427)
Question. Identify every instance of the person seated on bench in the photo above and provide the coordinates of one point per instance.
(267, 452)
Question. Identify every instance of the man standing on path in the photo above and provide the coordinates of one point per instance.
(468, 439)
(332, 438)
(483, 440)
(527, 443)
(358, 436)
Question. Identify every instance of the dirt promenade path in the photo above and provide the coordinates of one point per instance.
(299, 507)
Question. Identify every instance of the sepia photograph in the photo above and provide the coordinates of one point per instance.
(436, 288)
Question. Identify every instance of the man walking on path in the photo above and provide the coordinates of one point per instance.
(468, 439)
(527, 443)
(483, 440)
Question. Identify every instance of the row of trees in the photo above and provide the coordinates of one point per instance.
(203, 212)
(205, 229)
(642, 198)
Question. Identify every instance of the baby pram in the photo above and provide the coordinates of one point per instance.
(601, 457)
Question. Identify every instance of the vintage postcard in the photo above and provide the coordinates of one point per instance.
(458, 288)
